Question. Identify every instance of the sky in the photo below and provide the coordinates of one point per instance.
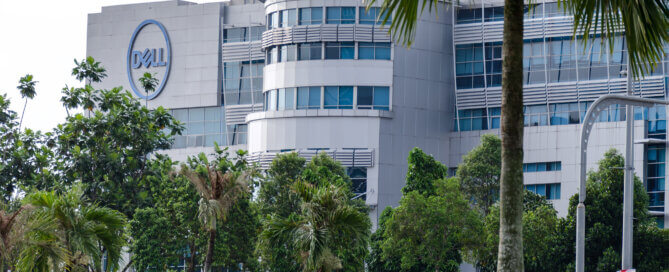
(42, 38)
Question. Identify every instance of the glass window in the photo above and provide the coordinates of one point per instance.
(618, 58)
(657, 122)
(286, 99)
(272, 55)
(381, 98)
(338, 97)
(552, 9)
(238, 34)
(377, 98)
(561, 59)
(309, 51)
(534, 68)
(493, 14)
(288, 53)
(358, 176)
(467, 16)
(309, 98)
(373, 16)
(592, 63)
(379, 51)
(202, 127)
(340, 15)
(533, 11)
(469, 66)
(256, 33)
(311, 16)
(339, 50)
(365, 97)
(237, 134)
(272, 20)
(472, 119)
(493, 62)
(495, 117)
(242, 82)
(536, 115)
(288, 17)
(564, 113)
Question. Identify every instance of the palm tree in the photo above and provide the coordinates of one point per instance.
(27, 89)
(11, 232)
(220, 185)
(86, 231)
(646, 24)
(327, 224)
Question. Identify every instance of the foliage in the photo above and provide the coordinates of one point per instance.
(89, 69)
(108, 148)
(26, 158)
(603, 220)
(321, 191)
(220, 184)
(327, 226)
(277, 198)
(149, 83)
(164, 234)
(423, 171)
(405, 18)
(539, 233)
(377, 261)
(480, 171)
(430, 232)
(86, 231)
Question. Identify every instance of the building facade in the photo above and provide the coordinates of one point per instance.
(312, 76)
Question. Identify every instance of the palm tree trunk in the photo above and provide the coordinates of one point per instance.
(23, 113)
(210, 251)
(510, 255)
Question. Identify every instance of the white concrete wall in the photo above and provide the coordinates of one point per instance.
(194, 31)
(559, 143)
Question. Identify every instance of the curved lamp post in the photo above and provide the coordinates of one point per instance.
(593, 112)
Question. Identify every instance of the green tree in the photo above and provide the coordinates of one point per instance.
(327, 226)
(26, 158)
(108, 149)
(87, 231)
(167, 232)
(423, 171)
(27, 89)
(540, 231)
(277, 198)
(479, 172)
(378, 261)
(280, 201)
(429, 232)
(220, 184)
(603, 234)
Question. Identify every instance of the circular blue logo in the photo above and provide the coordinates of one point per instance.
(148, 58)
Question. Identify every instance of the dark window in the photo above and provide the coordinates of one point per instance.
(373, 16)
(309, 51)
(467, 16)
(339, 50)
(311, 16)
(340, 15)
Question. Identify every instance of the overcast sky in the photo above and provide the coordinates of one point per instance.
(43, 37)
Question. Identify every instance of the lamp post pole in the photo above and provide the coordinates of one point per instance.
(597, 107)
(628, 186)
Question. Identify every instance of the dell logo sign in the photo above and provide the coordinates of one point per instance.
(148, 58)
(154, 57)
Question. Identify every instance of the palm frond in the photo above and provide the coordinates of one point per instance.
(645, 23)
(405, 18)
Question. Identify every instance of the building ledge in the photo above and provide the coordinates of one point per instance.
(318, 113)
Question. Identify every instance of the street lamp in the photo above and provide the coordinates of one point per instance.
(602, 103)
